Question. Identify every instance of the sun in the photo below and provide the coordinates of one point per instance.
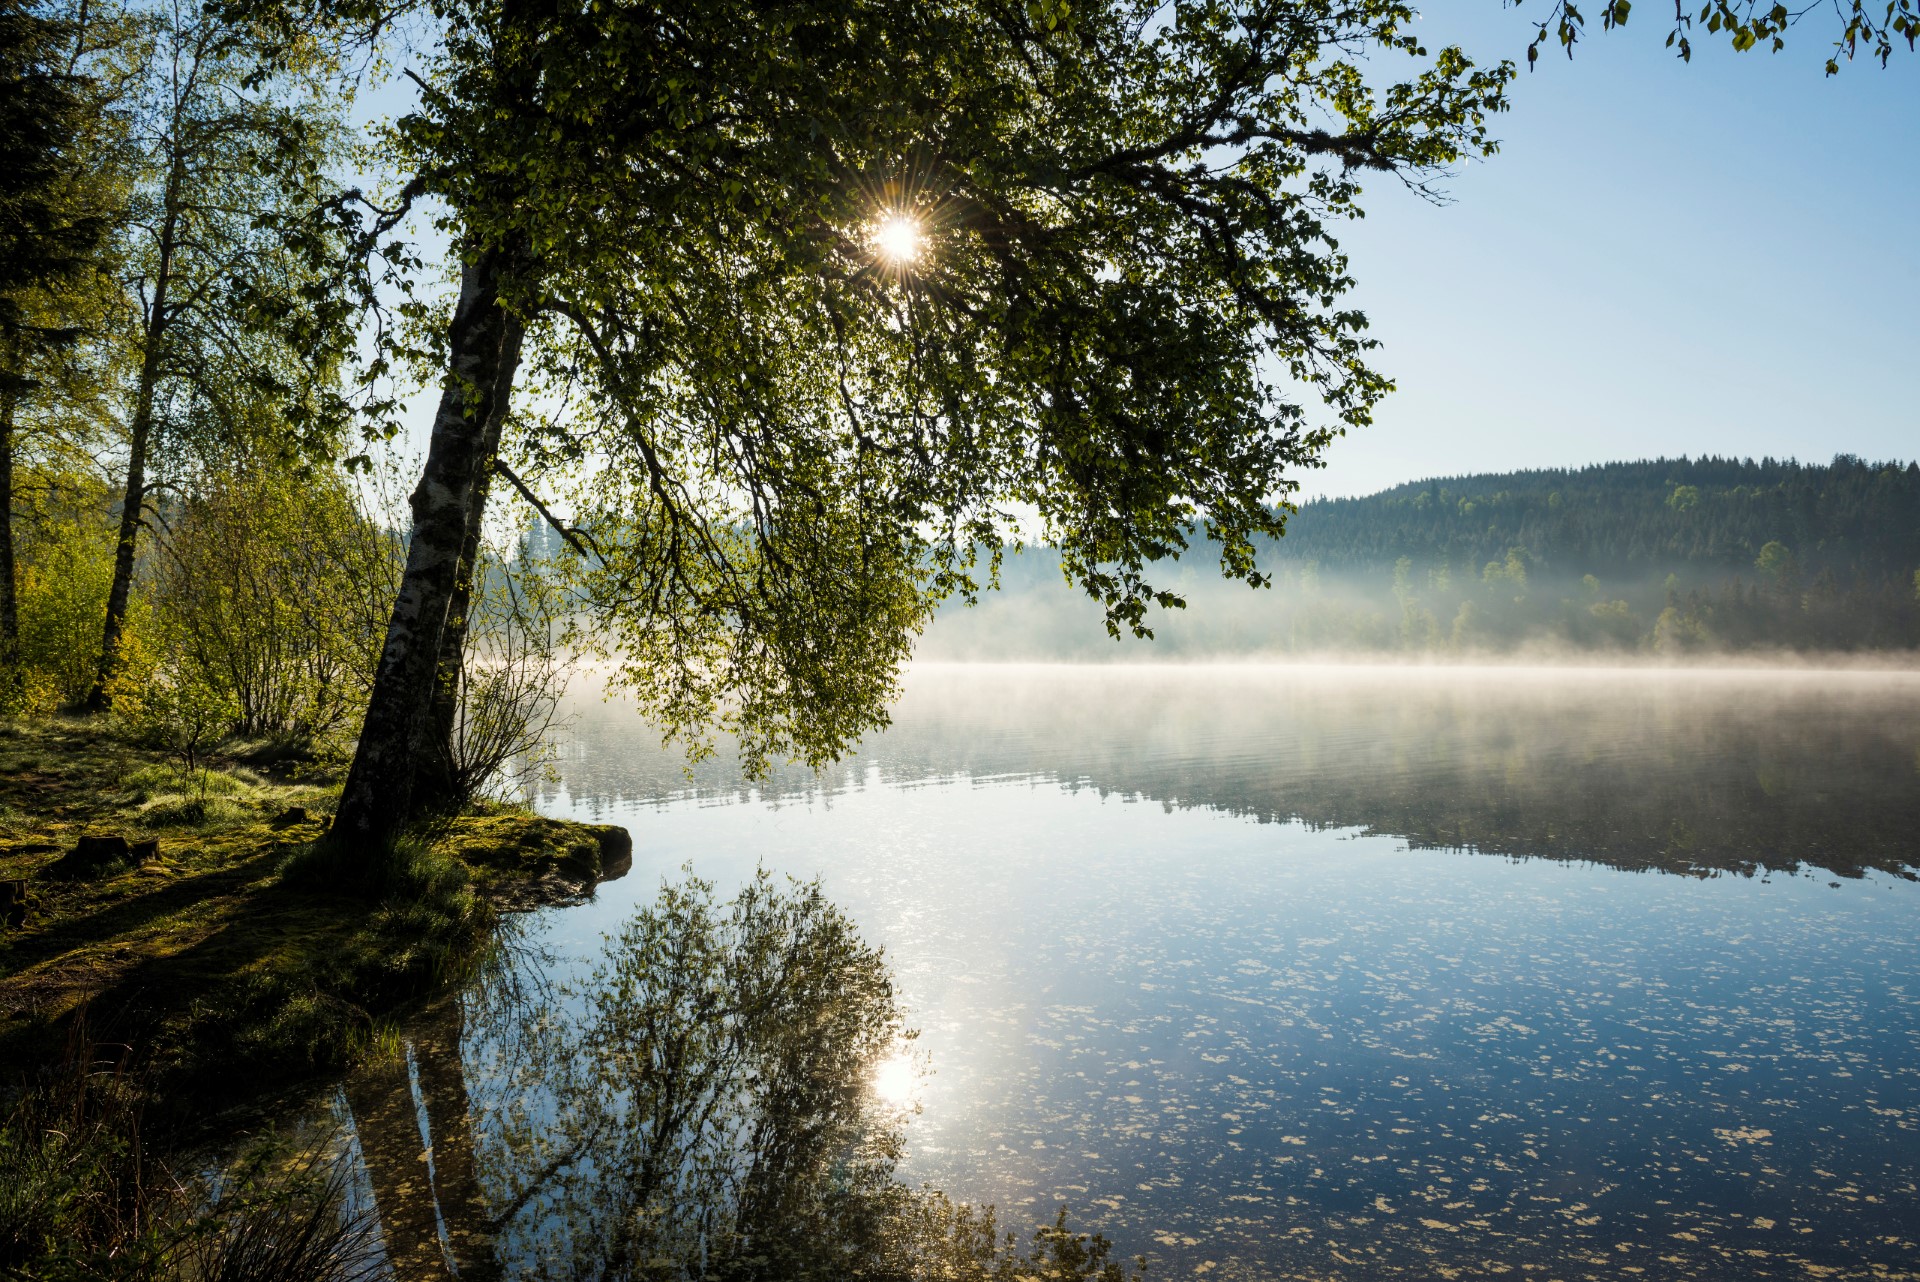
(896, 1079)
(897, 238)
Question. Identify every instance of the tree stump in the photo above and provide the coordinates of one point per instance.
(16, 901)
(92, 856)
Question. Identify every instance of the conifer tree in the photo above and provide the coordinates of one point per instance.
(52, 225)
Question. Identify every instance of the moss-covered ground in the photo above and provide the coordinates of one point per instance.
(235, 954)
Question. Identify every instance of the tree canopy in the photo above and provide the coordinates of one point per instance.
(813, 309)
(786, 445)
(1749, 24)
(48, 233)
(234, 333)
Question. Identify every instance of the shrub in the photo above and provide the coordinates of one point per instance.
(272, 588)
(65, 570)
(177, 710)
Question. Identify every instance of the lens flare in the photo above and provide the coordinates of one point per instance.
(895, 1080)
(897, 238)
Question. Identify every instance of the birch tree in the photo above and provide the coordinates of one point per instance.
(825, 299)
(229, 327)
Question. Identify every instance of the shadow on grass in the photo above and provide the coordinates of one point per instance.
(291, 978)
(135, 909)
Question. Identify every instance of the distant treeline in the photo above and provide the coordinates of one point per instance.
(1669, 557)
(1850, 519)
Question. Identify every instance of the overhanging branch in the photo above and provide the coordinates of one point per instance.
(578, 539)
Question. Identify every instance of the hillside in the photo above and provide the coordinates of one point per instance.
(1663, 557)
(1848, 517)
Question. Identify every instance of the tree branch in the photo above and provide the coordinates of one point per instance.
(579, 540)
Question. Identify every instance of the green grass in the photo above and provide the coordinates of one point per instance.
(249, 950)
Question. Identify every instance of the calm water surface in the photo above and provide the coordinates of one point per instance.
(1322, 973)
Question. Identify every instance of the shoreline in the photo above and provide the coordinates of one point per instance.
(1902, 663)
(212, 951)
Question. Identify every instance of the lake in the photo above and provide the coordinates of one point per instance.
(1290, 972)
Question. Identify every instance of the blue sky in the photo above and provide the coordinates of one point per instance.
(1720, 257)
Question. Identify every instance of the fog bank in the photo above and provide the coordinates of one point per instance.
(1507, 612)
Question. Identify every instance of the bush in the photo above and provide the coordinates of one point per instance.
(179, 712)
(273, 588)
(65, 570)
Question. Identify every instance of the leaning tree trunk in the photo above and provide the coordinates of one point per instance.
(435, 784)
(134, 497)
(484, 349)
(414, 1211)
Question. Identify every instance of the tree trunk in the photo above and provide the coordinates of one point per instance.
(456, 1171)
(415, 1211)
(133, 499)
(135, 495)
(9, 603)
(484, 350)
(435, 787)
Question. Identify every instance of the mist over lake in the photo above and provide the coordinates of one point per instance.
(1273, 972)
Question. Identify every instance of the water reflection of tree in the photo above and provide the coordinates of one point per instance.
(414, 1120)
(701, 1109)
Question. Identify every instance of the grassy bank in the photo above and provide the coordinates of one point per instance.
(226, 951)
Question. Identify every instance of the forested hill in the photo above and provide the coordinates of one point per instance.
(1851, 518)
(1667, 557)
